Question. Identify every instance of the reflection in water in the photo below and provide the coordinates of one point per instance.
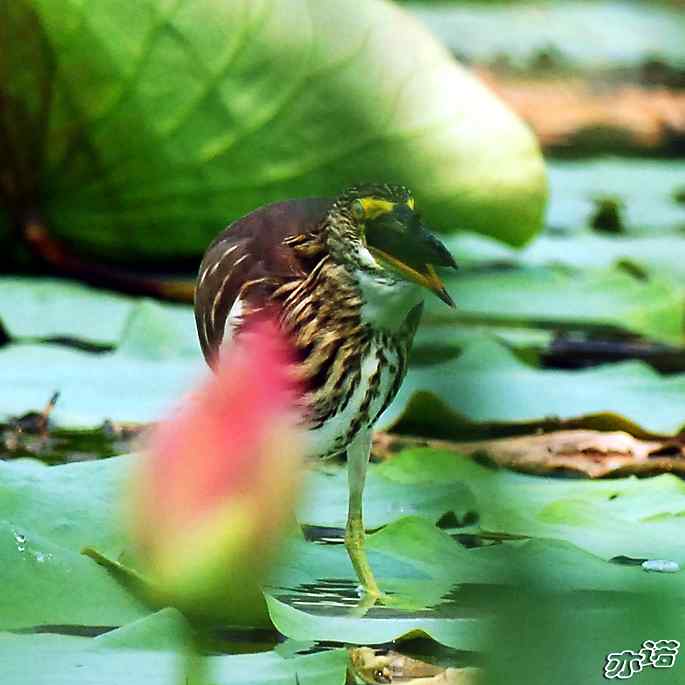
(340, 597)
(333, 597)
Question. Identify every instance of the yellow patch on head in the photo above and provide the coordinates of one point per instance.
(411, 204)
(374, 208)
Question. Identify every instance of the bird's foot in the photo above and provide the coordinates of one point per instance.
(354, 542)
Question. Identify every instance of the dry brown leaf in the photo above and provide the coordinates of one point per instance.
(406, 669)
(583, 452)
(394, 667)
(451, 676)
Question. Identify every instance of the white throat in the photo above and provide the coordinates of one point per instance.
(387, 302)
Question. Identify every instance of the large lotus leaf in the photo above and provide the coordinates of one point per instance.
(558, 297)
(440, 341)
(385, 499)
(436, 586)
(569, 639)
(161, 332)
(656, 255)
(632, 517)
(47, 584)
(49, 308)
(584, 34)
(61, 503)
(644, 189)
(156, 359)
(488, 385)
(93, 387)
(645, 192)
(151, 652)
(142, 128)
(46, 516)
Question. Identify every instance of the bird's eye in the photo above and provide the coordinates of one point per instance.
(358, 210)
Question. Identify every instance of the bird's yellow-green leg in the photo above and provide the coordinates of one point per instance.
(357, 461)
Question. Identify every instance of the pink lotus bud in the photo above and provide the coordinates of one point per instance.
(217, 482)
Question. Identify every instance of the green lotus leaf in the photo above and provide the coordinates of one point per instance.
(151, 651)
(139, 129)
(93, 387)
(46, 516)
(644, 191)
(386, 500)
(558, 297)
(635, 517)
(645, 195)
(567, 533)
(49, 308)
(656, 256)
(488, 385)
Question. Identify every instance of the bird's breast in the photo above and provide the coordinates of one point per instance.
(372, 386)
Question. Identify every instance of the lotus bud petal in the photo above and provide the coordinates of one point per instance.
(217, 481)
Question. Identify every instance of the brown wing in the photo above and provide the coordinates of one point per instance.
(252, 250)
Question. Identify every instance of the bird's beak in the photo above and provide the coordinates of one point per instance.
(399, 240)
(428, 278)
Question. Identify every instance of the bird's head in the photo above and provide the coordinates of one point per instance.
(377, 228)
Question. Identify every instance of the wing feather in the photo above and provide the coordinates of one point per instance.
(250, 260)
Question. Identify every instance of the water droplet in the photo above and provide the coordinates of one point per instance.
(20, 540)
(661, 566)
